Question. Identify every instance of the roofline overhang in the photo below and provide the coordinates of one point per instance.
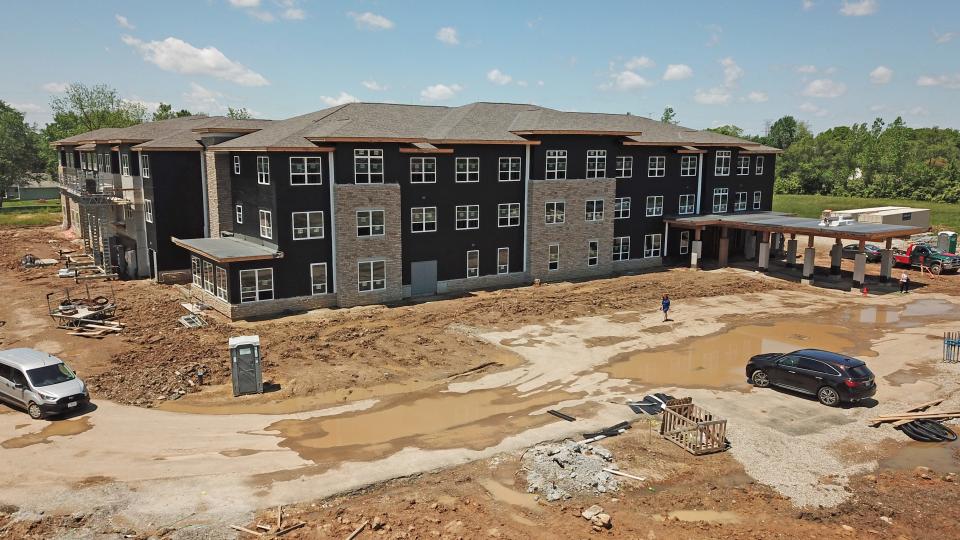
(416, 140)
(759, 152)
(576, 132)
(244, 131)
(301, 149)
(684, 223)
(138, 148)
(426, 150)
(191, 249)
(687, 143)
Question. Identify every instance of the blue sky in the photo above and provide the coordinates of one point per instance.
(748, 62)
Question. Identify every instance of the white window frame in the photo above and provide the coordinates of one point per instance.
(684, 242)
(238, 212)
(501, 267)
(196, 271)
(306, 175)
(474, 271)
(220, 279)
(596, 163)
(236, 165)
(318, 288)
(263, 170)
(426, 225)
(99, 162)
(513, 171)
(266, 231)
(591, 213)
(656, 208)
(373, 284)
(145, 165)
(124, 163)
(512, 218)
(553, 257)
(624, 166)
(554, 212)
(372, 228)
(652, 245)
(721, 164)
(257, 291)
(556, 165)
(148, 210)
(687, 204)
(757, 198)
(466, 176)
(743, 165)
(467, 221)
(688, 165)
(621, 248)
(423, 176)
(720, 205)
(593, 252)
(621, 208)
(208, 278)
(107, 163)
(656, 166)
(368, 157)
(759, 165)
(309, 230)
(740, 201)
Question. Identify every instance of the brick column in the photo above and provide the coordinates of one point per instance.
(219, 195)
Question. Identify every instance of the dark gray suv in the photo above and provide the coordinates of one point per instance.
(831, 377)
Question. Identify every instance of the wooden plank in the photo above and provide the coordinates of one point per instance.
(562, 416)
(246, 530)
(288, 529)
(926, 405)
(358, 530)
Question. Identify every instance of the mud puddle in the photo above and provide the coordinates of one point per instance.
(509, 495)
(940, 457)
(62, 428)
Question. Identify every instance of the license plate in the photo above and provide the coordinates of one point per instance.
(71, 404)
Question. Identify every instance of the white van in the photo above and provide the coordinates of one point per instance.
(40, 383)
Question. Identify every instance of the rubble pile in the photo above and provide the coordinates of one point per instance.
(560, 470)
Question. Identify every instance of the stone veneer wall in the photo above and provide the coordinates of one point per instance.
(481, 282)
(574, 233)
(219, 195)
(265, 308)
(351, 249)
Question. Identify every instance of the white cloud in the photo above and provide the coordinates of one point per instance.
(374, 85)
(945, 37)
(370, 21)
(264, 16)
(947, 81)
(824, 88)
(807, 5)
(440, 92)
(201, 99)
(919, 110)
(808, 69)
(122, 22)
(150, 106)
(757, 97)
(712, 96)
(881, 75)
(448, 35)
(731, 72)
(625, 81)
(859, 8)
(294, 14)
(55, 87)
(813, 109)
(876, 108)
(677, 72)
(498, 77)
(178, 56)
(539, 83)
(639, 62)
(342, 99)
(245, 3)
(27, 107)
(522, 84)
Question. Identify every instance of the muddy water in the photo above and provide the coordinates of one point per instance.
(940, 457)
(509, 495)
(62, 428)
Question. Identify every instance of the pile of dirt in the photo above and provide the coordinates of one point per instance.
(560, 470)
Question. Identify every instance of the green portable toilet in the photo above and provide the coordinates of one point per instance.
(947, 241)
(245, 365)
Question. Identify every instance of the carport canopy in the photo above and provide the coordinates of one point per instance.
(227, 249)
(779, 222)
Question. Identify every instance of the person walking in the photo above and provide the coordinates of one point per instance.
(665, 306)
(904, 283)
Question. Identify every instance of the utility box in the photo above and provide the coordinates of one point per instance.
(947, 241)
(245, 365)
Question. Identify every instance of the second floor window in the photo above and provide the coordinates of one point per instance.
(266, 224)
(741, 201)
(688, 204)
(743, 165)
(624, 166)
(423, 170)
(236, 164)
(688, 166)
(596, 163)
(556, 165)
(368, 166)
(508, 215)
(654, 205)
(307, 225)
(473, 263)
(721, 166)
(759, 165)
(263, 170)
(423, 219)
(594, 210)
(467, 169)
(125, 164)
(305, 170)
(720, 196)
(509, 169)
(621, 208)
(148, 210)
(757, 195)
(554, 212)
(370, 223)
(145, 166)
(656, 166)
(468, 217)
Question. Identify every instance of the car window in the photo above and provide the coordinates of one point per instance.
(860, 372)
(5, 372)
(788, 361)
(18, 377)
(816, 365)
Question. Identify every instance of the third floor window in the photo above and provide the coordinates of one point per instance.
(467, 169)
(370, 223)
(263, 170)
(368, 166)
(305, 170)
(423, 170)
(657, 166)
(556, 165)
(688, 166)
(596, 163)
(509, 169)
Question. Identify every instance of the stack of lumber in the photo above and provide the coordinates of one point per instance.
(917, 412)
(96, 328)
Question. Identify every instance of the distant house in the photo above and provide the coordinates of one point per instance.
(47, 188)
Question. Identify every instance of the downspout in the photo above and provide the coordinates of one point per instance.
(526, 205)
(666, 238)
(206, 195)
(699, 180)
(333, 226)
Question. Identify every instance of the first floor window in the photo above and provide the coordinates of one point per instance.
(556, 165)
(688, 166)
(473, 263)
(266, 224)
(148, 210)
(651, 245)
(307, 225)
(99, 162)
(594, 209)
(423, 219)
(684, 242)
(467, 169)
(621, 208)
(208, 277)
(222, 283)
(145, 166)
(596, 163)
(423, 170)
(368, 166)
(741, 202)
(508, 215)
(621, 248)
(370, 223)
(624, 166)
(688, 203)
(759, 165)
(554, 212)
(721, 166)
(553, 257)
(239, 211)
(305, 171)
(654, 205)
(743, 165)
(757, 195)
(509, 169)
(468, 217)
(236, 164)
(124, 164)
(371, 275)
(720, 196)
(657, 166)
(195, 270)
(318, 278)
(256, 285)
(593, 252)
(263, 170)
(503, 260)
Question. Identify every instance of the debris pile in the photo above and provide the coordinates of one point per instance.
(560, 470)
(152, 383)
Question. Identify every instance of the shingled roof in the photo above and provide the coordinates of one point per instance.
(175, 133)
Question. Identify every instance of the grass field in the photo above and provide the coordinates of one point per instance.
(37, 218)
(943, 216)
(37, 202)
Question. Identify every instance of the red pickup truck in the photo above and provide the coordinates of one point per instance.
(929, 256)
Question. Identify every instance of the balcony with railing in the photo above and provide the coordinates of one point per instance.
(100, 186)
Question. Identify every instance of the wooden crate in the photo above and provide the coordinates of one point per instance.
(693, 428)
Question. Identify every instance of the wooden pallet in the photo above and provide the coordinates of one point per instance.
(693, 428)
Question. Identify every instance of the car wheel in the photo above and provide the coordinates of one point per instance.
(34, 411)
(828, 396)
(936, 268)
(760, 379)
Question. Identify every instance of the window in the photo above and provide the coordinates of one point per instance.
(720, 200)
(107, 166)
(239, 211)
(556, 165)
(145, 165)
(651, 245)
(722, 165)
(307, 225)
(473, 263)
(553, 257)
(148, 210)
(688, 203)
(99, 161)
(684, 242)
(370, 223)
(503, 260)
(621, 248)
(509, 169)
(222, 283)
(124, 164)
(654, 205)
(305, 171)
(256, 285)
(318, 278)
(508, 215)
(621, 208)
(596, 163)
(743, 165)
(468, 217)
(467, 169)
(593, 252)
(266, 224)
(236, 164)
(757, 195)
(263, 170)
(423, 219)
(371, 276)
(624, 166)
(368, 166)
(208, 277)
(759, 165)
(554, 212)
(741, 201)
(656, 166)
(195, 271)
(423, 170)
(594, 210)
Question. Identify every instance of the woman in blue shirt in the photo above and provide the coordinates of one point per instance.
(665, 306)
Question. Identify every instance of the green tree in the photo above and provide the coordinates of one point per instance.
(20, 158)
(668, 116)
(165, 112)
(729, 129)
(784, 132)
(239, 114)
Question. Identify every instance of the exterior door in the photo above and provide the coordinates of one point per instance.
(423, 278)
